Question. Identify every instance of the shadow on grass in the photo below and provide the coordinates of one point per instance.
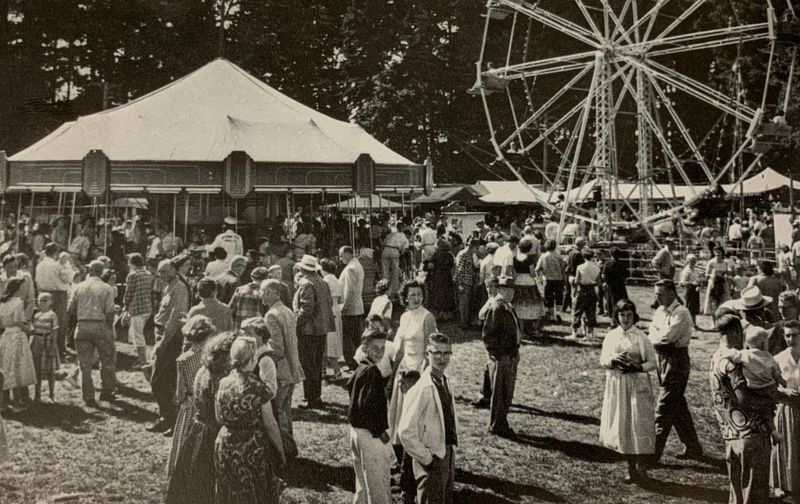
(67, 417)
(698, 493)
(713, 466)
(133, 393)
(573, 449)
(549, 341)
(314, 475)
(124, 410)
(125, 362)
(508, 489)
(332, 413)
(559, 415)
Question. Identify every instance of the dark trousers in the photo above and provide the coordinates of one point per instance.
(503, 370)
(435, 484)
(486, 388)
(566, 302)
(352, 327)
(164, 379)
(553, 293)
(748, 468)
(60, 309)
(311, 350)
(672, 409)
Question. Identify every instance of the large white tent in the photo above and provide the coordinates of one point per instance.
(766, 181)
(206, 115)
(630, 191)
(511, 192)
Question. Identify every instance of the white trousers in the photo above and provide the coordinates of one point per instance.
(372, 463)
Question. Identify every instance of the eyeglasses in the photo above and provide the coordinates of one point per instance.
(441, 354)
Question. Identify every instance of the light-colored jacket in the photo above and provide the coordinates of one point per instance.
(352, 279)
(282, 325)
(421, 427)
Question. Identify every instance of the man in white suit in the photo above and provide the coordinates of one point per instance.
(428, 426)
(352, 278)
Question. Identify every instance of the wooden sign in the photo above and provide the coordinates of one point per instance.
(3, 172)
(364, 175)
(238, 174)
(96, 174)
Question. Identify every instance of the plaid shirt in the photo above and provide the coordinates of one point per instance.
(138, 300)
(246, 303)
(465, 268)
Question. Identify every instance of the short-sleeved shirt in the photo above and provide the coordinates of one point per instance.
(735, 421)
(552, 266)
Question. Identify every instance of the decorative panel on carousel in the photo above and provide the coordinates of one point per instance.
(96, 174)
(298, 176)
(238, 168)
(169, 174)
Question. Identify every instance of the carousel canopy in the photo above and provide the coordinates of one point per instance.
(766, 181)
(206, 115)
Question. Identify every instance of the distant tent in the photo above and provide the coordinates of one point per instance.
(362, 203)
(511, 192)
(447, 194)
(764, 182)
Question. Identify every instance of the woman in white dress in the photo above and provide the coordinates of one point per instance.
(416, 325)
(334, 350)
(16, 359)
(785, 473)
(627, 424)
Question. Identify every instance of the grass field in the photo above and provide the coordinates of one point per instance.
(65, 452)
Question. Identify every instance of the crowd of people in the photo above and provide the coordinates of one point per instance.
(237, 331)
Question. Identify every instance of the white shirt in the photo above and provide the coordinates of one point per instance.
(551, 231)
(504, 257)
(796, 249)
(231, 242)
(671, 325)
(51, 276)
(790, 370)
(735, 232)
(216, 268)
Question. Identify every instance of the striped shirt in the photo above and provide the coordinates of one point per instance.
(464, 273)
(551, 265)
(246, 303)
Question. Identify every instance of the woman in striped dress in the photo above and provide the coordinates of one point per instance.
(196, 331)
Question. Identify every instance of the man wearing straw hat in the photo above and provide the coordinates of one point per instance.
(313, 305)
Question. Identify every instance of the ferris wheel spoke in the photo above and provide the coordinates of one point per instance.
(758, 30)
(589, 18)
(681, 126)
(648, 16)
(653, 125)
(554, 21)
(617, 21)
(546, 106)
(550, 65)
(715, 99)
(709, 44)
(622, 13)
(681, 18)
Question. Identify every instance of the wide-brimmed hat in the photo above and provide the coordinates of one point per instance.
(308, 263)
(752, 299)
(229, 220)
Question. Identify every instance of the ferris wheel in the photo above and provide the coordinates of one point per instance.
(617, 95)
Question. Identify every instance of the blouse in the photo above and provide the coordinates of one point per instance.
(633, 341)
(790, 369)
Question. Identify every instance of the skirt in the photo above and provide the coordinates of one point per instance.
(527, 302)
(333, 347)
(16, 359)
(785, 469)
(693, 299)
(193, 479)
(183, 423)
(244, 470)
(45, 355)
(628, 421)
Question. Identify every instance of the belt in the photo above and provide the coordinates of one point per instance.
(91, 320)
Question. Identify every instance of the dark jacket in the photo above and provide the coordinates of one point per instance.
(500, 329)
(314, 307)
(368, 407)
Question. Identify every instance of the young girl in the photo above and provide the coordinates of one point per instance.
(382, 305)
(16, 360)
(43, 345)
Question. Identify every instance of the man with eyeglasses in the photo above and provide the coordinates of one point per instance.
(427, 427)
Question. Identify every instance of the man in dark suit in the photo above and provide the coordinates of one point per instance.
(314, 308)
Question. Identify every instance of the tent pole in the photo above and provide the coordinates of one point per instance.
(353, 224)
(19, 215)
(186, 219)
(369, 219)
(156, 216)
(236, 214)
(2, 206)
(288, 221)
(33, 197)
(402, 206)
(791, 191)
(72, 218)
(105, 226)
(174, 215)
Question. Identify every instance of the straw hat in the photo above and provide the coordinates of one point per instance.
(752, 299)
(308, 263)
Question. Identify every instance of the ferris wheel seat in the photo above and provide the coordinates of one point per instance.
(490, 84)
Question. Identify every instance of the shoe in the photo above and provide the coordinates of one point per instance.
(559, 319)
(695, 454)
(169, 432)
(481, 403)
(160, 426)
(507, 433)
(776, 493)
(108, 396)
(629, 480)
(312, 405)
(91, 403)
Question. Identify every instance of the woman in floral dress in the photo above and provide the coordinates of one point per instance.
(242, 454)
